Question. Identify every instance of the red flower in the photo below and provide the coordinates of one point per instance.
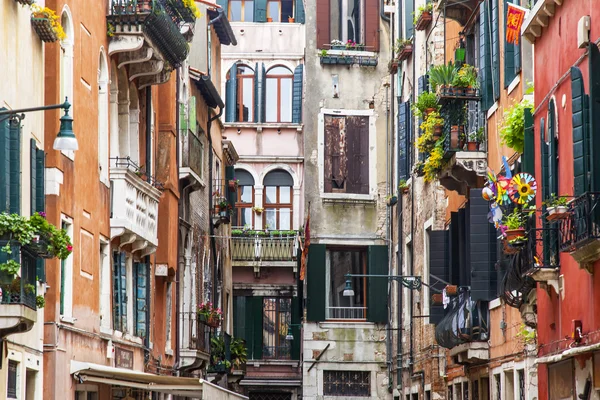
(69, 247)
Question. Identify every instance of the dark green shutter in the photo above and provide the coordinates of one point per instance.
(260, 10)
(509, 54)
(462, 273)
(300, 17)
(15, 166)
(594, 115)
(485, 58)
(552, 150)
(231, 114)
(38, 197)
(377, 288)
(296, 329)
(141, 295)
(260, 92)
(408, 18)
(544, 160)
(254, 327)
(119, 292)
(239, 318)
(316, 289)
(482, 248)
(297, 94)
(4, 165)
(231, 193)
(438, 267)
(224, 5)
(580, 136)
(529, 146)
(403, 145)
(495, 50)
(33, 176)
(517, 54)
(454, 249)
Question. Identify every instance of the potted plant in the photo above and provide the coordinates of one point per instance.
(556, 207)
(403, 186)
(403, 48)
(337, 45)
(239, 353)
(457, 137)
(209, 314)
(451, 290)
(269, 19)
(466, 80)
(441, 78)
(233, 183)
(512, 131)
(258, 210)
(437, 299)
(423, 17)
(290, 19)
(514, 223)
(46, 24)
(391, 200)
(434, 162)
(475, 139)
(350, 45)
(219, 362)
(432, 132)
(426, 104)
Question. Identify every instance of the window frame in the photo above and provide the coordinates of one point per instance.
(278, 348)
(350, 382)
(16, 379)
(278, 206)
(364, 268)
(278, 78)
(240, 206)
(239, 96)
(243, 12)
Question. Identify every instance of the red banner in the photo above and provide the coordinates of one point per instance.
(514, 20)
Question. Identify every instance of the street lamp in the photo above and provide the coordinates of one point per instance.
(289, 337)
(65, 139)
(408, 281)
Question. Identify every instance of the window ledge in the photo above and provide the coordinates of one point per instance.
(345, 324)
(512, 86)
(67, 319)
(492, 110)
(347, 198)
(263, 125)
(351, 53)
(258, 363)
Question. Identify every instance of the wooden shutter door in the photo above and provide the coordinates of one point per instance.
(297, 94)
(296, 317)
(438, 268)
(594, 116)
(15, 166)
(260, 10)
(495, 50)
(335, 155)
(377, 288)
(323, 35)
(529, 144)
(485, 58)
(357, 155)
(141, 299)
(231, 95)
(403, 167)
(580, 144)
(300, 14)
(482, 256)
(372, 25)
(316, 287)
(119, 292)
(509, 54)
(260, 92)
(4, 166)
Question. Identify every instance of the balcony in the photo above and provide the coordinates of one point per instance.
(146, 34)
(134, 207)
(264, 249)
(580, 231)
(458, 10)
(224, 197)
(464, 329)
(195, 341)
(191, 159)
(18, 293)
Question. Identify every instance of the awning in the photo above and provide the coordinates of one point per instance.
(572, 352)
(187, 387)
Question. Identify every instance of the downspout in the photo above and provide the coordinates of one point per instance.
(382, 12)
(412, 231)
(399, 292)
(179, 208)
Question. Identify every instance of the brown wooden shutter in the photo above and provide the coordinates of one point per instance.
(335, 163)
(371, 25)
(357, 137)
(323, 24)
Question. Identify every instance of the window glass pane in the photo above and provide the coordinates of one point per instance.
(270, 194)
(341, 263)
(279, 70)
(269, 327)
(247, 95)
(235, 9)
(245, 194)
(271, 219)
(246, 214)
(286, 100)
(285, 193)
(249, 11)
(271, 100)
(273, 11)
(287, 9)
(92, 396)
(285, 219)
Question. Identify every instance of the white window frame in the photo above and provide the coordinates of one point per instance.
(67, 315)
(169, 319)
(104, 264)
(328, 289)
(86, 388)
(103, 121)
(66, 64)
(427, 228)
(18, 378)
(372, 154)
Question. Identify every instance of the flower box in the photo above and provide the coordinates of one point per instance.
(393, 66)
(43, 27)
(338, 47)
(405, 53)
(40, 247)
(557, 213)
(423, 21)
(25, 2)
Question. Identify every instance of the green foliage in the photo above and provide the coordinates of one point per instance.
(466, 76)
(426, 141)
(402, 184)
(512, 131)
(40, 302)
(526, 335)
(239, 352)
(424, 101)
(514, 220)
(434, 162)
(217, 351)
(555, 201)
(442, 75)
(424, 8)
(478, 135)
(401, 44)
(323, 53)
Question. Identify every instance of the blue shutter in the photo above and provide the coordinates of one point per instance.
(529, 144)
(423, 83)
(403, 167)
(495, 50)
(4, 165)
(509, 55)
(260, 10)
(260, 92)
(231, 113)
(438, 267)
(297, 94)
(141, 299)
(119, 292)
(15, 166)
(408, 18)
(224, 5)
(300, 16)
(594, 115)
(482, 248)
(485, 58)
(316, 288)
(377, 288)
(580, 136)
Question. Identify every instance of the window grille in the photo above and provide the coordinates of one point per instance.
(347, 383)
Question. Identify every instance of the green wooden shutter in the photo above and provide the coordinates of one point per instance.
(552, 150)
(231, 193)
(260, 10)
(316, 288)
(580, 136)
(141, 299)
(408, 19)
(239, 318)
(40, 180)
(403, 145)
(544, 160)
(260, 92)
(33, 176)
(4, 165)
(454, 249)
(495, 50)
(517, 53)
(300, 15)
(15, 166)
(438, 267)
(231, 95)
(119, 292)
(254, 327)
(297, 94)
(377, 288)
(37, 195)
(594, 116)
(529, 146)
(224, 5)
(485, 58)
(296, 316)
(509, 55)
(482, 248)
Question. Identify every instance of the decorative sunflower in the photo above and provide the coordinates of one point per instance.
(522, 188)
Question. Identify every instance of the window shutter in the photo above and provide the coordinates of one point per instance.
(40, 179)
(552, 151)
(509, 54)
(260, 10)
(594, 87)
(239, 320)
(316, 288)
(4, 166)
(372, 25)
(141, 297)
(297, 94)
(438, 267)
(495, 51)
(485, 58)
(335, 166)
(15, 167)
(260, 92)
(423, 83)
(33, 176)
(377, 288)
(462, 272)
(580, 142)
(454, 249)
(119, 292)
(408, 19)
(296, 316)
(254, 327)
(357, 153)
(323, 35)
(231, 95)
(231, 193)
(544, 160)
(529, 147)
(300, 15)
(403, 145)
(225, 6)
(482, 248)
(517, 48)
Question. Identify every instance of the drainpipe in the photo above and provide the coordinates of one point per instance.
(412, 230)
(179, 207)
(399, 291)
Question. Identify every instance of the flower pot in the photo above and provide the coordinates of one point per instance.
(43, 27)
(556, 213)
(232, 184)
(472, 146)
(393, 66)
(338, 47)
(213, 322)
(451, 290)
(437, 132)
(291, 20)
(437, 299)
(512, 234)
(509, 249)
(405, 190)
(405, 53)
(269, 19)
(144, 6)
(429, 111)
(423, 21)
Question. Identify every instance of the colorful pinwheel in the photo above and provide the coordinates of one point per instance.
(522, 188)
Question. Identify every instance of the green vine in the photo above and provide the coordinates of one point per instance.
(512, 131)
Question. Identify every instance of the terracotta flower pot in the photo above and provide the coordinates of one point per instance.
(437, 132)
(213, 321)
(429, 111)
(472, 146)
(451, 290)
(513, 234)
(437, 299)
(291, 20)
(269, 19)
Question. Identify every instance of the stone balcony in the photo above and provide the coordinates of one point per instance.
(134, 210)
(195, 341)
(471, 352)
(264, 251)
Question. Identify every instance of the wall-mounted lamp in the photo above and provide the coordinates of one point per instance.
(408, 281)
(289, 337)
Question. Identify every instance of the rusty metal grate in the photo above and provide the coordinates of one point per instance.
(270, 396)
(347, 383)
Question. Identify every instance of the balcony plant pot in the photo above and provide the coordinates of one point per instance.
(508, 248)
(512, 234)
(405, 189)
(429, 111)
(437, 299)
(472, 146)
(219, 368)
(213, 322)
(43, 27)
(437, 132)
(451, 290)
(269, 19)
(338, 47)
(405, 53)
(423, 21)
(232, 184)
(556, 213)
(144, 6)
(455, 136)
(393, 66)
(290, 20)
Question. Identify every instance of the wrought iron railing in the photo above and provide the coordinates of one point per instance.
(463, 118)
(465, 321)
(224, 196)
(358, 313)
(19, 288)
(582, 226)
(128, 163)
(196, 334)
(266, 247)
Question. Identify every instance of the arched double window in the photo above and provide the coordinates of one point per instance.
(279, 94)
(245, 199)
(278, 200)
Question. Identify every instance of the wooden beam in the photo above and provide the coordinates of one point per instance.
(559, 2)
(548, 9)
(530, 37)
(543, 20)
(536, 30)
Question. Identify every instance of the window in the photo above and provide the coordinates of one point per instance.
(498, 385)
(485, 388)
(103, 118)
(280, 10)
(245, 199)
(169, 313)
(560, 380)
(277, 200)
(66, 276)
(475, 390)
(347, 21)
(339, 263)
(104, 262)
(277, 315)
(279, 94)
(11, 385)
(245, 94)
(66, 64)
(347, 383)
(140, 308)
(86, 392)
(120, 292)
(521, 374)
(465, 386)
(270, 396)
(241, 10)
(509, 385)
(346, 154)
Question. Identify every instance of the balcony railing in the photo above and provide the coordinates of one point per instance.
(583, 224)
(134, 204)
(191, 153)
(358, 313)
(264, 248)
(21, 288)
(196, 334)
(465, 321)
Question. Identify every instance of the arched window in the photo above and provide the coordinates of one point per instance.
(277, 200)
(245, 199)
(103, 118)
(66, 64)
(279, 94)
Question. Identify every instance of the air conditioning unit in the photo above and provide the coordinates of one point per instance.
(583, 32)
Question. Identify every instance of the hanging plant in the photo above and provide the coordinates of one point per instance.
(433, 164)
(47, 24)
(512, 132)
(432, 130)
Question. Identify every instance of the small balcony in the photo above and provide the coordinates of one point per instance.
(18, 292)
(580, 231)
(146, 34)
(458, 10)
(195, 341)
(134, 206)
(224, 197)
(191, 159)
(264, 249)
